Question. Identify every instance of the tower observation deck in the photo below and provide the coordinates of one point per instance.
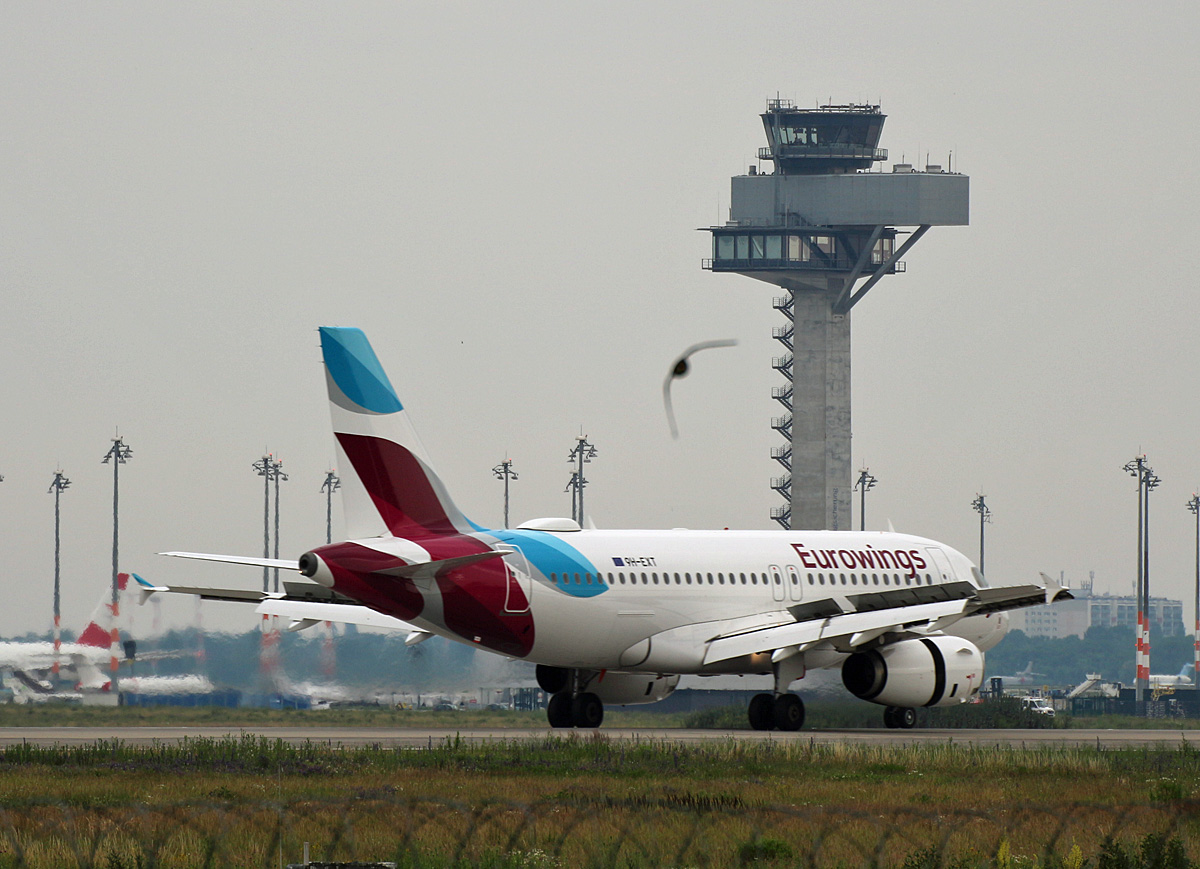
(821, 222)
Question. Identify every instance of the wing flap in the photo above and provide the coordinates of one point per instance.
(828, 629)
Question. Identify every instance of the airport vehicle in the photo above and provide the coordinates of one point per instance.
(617, 616)
(1038, 705)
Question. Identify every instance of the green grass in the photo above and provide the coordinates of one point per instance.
(584, 800)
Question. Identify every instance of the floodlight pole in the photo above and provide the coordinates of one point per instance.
(118, 454)
(267, 467)
(504, 471)
(1150, 482)
(985, 516)
(57, 486)
(865, 483)
(1194, 506)
(279, 475)
(331, 485)
(583, 453)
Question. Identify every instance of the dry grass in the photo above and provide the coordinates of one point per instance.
(586, 802)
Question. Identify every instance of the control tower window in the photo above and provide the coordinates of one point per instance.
(882, 251)
(824, 243)
(743, 247)
(798, 135)
(774, 247)
(756, 247)
(797, 250)
(724, 244)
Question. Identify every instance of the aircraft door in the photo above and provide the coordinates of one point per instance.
(520, 579)
(777, 591)
(795, 590)
(941, 566)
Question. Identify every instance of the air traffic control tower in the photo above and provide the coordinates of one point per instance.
(825, 219)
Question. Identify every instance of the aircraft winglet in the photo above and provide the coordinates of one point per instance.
(1053, 588)
(146, 589)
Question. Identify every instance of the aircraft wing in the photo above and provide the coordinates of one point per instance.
(848, 621)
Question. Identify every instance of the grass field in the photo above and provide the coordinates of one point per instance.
(585, 801)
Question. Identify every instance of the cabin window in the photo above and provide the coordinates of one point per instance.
(743, 579)
(654, 578)
(854, 579)
(678, 581)
(710, 579)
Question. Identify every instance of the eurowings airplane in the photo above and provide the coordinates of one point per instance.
(617, 616)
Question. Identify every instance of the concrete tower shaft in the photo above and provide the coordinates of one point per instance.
(818, 225)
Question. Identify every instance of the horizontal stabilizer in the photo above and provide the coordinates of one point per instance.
(300, 611)
(250, 561)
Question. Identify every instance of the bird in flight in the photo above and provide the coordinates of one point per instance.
(679, 369)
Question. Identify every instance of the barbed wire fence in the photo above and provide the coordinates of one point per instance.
(583, 830)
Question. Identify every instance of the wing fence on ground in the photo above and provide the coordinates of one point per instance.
(583, 830)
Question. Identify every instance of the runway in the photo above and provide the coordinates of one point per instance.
(419, 737)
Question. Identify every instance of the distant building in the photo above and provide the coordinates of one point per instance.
(1072, 618)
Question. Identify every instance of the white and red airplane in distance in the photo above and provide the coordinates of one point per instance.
(97, 649)
(617, 616)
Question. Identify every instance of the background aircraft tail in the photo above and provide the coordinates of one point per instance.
(388, 484)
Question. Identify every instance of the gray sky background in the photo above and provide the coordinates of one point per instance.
(506, 197)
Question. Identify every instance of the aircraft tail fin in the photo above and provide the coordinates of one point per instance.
(102, 623)
(388, 484)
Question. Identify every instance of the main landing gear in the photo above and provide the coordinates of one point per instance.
(771, 712)
(570, 705)
(900, 717)
(780, 710)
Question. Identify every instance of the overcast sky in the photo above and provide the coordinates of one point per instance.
(506, 198)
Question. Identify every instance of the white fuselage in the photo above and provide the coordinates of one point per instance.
(652, 600)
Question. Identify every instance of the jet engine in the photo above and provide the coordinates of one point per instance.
(931, 671)
(630, 689)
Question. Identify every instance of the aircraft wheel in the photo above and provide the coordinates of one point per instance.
(762, 711)
(889, 717)
(558, 711)
(789, 712)
(906, 717)
(587, 711)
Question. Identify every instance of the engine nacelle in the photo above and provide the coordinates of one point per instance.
(631, 689)
(314, 567)
(932, 671)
